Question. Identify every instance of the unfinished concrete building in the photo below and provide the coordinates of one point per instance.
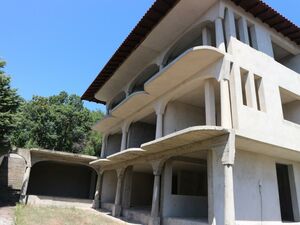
(203, 117)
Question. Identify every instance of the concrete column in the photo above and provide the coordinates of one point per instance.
(124, 136)
(206, 37)
(225, 104)
(23, 194)
(243, 30)
(117, 207)
(159, 125)
(104, 143)
(229, 210)
(229, 27)
(97, 200)
(157, 169)
(220, 42)
(210, 103)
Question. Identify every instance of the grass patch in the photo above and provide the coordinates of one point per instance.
(32, 215)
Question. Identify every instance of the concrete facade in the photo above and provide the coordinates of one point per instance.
(223, 146)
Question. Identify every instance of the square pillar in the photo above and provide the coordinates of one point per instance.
(117, 208)
(210, 103)
(97, 200)
(220, 42)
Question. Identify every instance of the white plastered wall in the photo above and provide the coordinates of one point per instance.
(256, 190)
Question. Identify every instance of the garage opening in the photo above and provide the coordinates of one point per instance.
(58, 179)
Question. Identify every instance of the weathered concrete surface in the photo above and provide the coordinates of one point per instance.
(6, 215)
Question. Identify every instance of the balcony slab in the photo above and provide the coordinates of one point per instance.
(131, 104)
(183, 67)
(183, 137)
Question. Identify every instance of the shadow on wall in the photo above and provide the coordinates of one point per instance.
(11, 177)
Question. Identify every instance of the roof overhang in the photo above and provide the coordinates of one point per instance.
(155, 15)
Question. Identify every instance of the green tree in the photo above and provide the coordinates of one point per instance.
(9, 103)
(58, 122)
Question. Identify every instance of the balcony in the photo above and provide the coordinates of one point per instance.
(174, 74)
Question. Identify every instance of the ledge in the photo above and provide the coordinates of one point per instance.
(104, 124)
(125, 155)
(184, 66)
(183, 137)
(131, 104)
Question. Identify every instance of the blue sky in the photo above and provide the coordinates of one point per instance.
(56, 45)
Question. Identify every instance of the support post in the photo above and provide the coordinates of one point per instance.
(124, 136)
(220, 42)
(159, 125)
(157, 170)
(117, 207)
(228, 162)
(243, 30)
(206, 36)
(23, 195)
(97, 200)
(225, 104)
(160, 111)
(104, 142)
(210, 103)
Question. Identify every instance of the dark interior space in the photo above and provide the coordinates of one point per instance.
(62, 180)
(284, 190)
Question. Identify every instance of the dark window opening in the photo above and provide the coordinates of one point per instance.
(188, 181)
(285, 196)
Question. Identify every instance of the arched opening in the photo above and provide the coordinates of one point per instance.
(194, 37)
(12, 171)
(117, 100)
(57, 179)
(108, 190)
(142, 131)
(142, 78)
(113, 144)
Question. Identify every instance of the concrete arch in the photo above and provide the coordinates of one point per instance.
(191, 38)
(142, 78)
(116, 100)
(61, 179)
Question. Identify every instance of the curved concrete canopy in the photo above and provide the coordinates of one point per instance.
(184, 137)
(125, 155)
(131, 104)
(106, 123)
(183, 67)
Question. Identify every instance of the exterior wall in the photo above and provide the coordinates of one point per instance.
(109, 184)
(256, 189)
(180, 205)
(264, 125)
(142, 188)
(140, 133)
(113, 144)
(60, 180)
(12, 171)
(179, 116)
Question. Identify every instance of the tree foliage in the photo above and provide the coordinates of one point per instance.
(9, 103)
(58, 122)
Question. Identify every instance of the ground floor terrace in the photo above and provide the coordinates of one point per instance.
(201, 175)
